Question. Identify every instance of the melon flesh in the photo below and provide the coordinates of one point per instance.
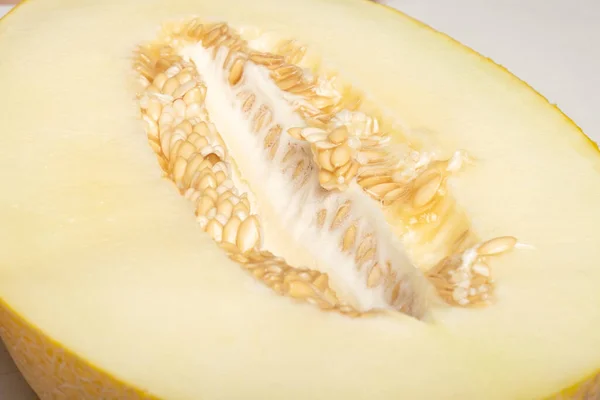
(104, 257)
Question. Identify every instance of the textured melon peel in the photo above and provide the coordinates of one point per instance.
(138, 287)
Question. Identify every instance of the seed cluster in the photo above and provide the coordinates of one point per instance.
(465, 278)
(299, 283)
(193, 155)
(359, 240)
(333, 153)
(346, 145)
(349, 145)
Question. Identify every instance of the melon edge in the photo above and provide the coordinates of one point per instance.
(81, 378)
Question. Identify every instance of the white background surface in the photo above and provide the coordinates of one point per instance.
(553, 45)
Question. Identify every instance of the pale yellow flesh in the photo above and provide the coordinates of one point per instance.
(105, 256)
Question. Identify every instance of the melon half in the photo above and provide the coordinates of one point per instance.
(318, 199)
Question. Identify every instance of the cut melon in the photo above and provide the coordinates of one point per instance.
(299, 200)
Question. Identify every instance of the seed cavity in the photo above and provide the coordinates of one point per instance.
(345, 176)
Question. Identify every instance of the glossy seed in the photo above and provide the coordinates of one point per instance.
(193, 96)
(248, 103)
(225, 208)
(248, 234)
(382, 189)
(299, 289)
(160, 80)
(208, 181)
(215, 230)
(322, 282)
(152, 89)
(155, 146)
(321, 215)
(198, 141)
(186, 150)
(374, 180)
(220, 176)
(213, 36)
(369, 157)
(186, 127)
(245, 201)
(289, 82)
(341, 171)
(340, 156)
(325, 176)
(497, 246)
(271, 60)
(324, 158)
(393, 195)
(241, 207)
(339, 135)
(174, 148)
(212, 213)
(205, 204)
(233, 46)
(179, 170)
(369, 254)
(349, 238)
(221, 218)
(225, 186)
(230, 231)
(296, 133)
(425, 194)
(396, 294)
(202, 129)
(227, 195)
(340, 215)
(364, 247)
(273, 149)
(170, 86)
(154, 109)
(201, 170)
(285, 71)
(352, 171)
(374, 276)
(324, 145)
(262, 118)
(182, 90)
(236, 71)
(272, 137)
(194, 29)
(152, 127)
(481, 268)
(194, 110)
(184, 77)
(323, 102)
(166, 119)
(212, 193)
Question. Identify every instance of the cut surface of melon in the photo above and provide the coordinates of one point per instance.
(106, 257)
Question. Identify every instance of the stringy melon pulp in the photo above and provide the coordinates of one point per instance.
(106, 256)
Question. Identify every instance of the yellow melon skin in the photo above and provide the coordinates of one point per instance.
(56, 372)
